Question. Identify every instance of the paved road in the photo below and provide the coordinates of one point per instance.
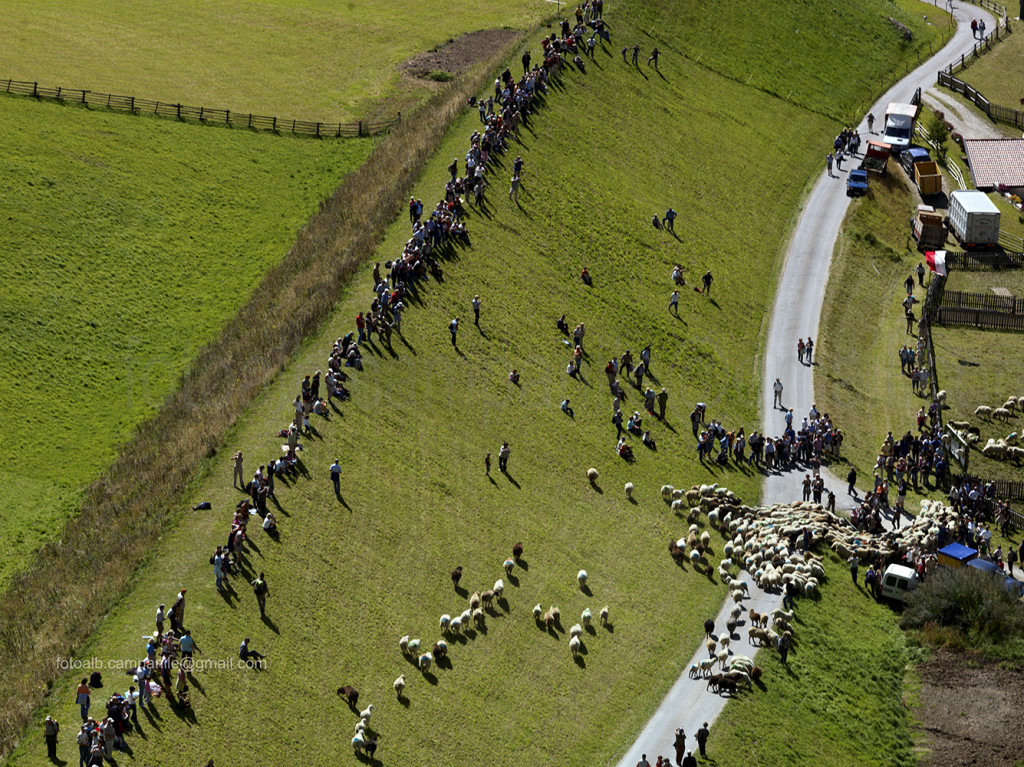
(797, 308)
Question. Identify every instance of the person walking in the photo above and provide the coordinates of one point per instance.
(238, 479)
(487, 464)
(706, 280)
(673, 302)
(828, 164)
(654, 58)
(702, 738)
(785, 642)
(871, 123)
(911, 319)
(777, 391)
(800, 350)
(336, 476)
(920, 275)
(517, 167)
(50, 730)
(854, 561)
(839, 160)
(82, 698)
(636, 54)
(670, 220)
(513, 191)
(476, 310)
(261, 590)
(453, 328)
(503, 453)
(809, 351)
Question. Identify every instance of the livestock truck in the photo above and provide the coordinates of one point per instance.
(973, 218)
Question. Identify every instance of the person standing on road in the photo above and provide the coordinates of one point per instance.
(828, 164)
(809, 351)
(261, 590)
(476, 310)
(702, 738)
(777, 391)
(871, 122)
(800, 350)
(680, 744)
(839, 160)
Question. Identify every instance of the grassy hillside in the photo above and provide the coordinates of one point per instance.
(348, 578)
(997, 73)
(841, 687)
(302, 59)
(127, 243)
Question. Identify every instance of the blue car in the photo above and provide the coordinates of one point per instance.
(857, 183)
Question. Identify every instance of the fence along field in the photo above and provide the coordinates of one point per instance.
(335, 62)
(201, 114)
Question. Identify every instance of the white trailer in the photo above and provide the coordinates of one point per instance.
(973, 218)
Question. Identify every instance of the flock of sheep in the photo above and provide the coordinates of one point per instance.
(453, 625)
(999, 449)
(1003, 413)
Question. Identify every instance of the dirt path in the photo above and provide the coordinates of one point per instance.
(799, 298)
(965, 120)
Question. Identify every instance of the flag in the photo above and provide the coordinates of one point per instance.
(936, 260)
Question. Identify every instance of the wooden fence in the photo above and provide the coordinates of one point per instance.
(979, 318)
(208, 115)
(966, 261)
(1006, 489)
(960, 299)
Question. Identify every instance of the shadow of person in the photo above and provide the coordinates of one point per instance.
(269, 623)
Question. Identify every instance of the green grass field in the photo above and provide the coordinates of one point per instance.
(127, 243)
(840, 696)
(348, 579)
(997, 73)
(302, 59)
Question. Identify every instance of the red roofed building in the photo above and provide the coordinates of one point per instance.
(996, 163)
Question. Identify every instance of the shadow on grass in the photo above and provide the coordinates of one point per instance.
(586, 590)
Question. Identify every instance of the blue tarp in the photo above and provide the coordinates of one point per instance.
(958, 551)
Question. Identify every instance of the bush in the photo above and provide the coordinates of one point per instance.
(439, 75)
(974, 603)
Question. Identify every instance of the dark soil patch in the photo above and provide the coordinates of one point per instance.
(970, 715)
(458, 54)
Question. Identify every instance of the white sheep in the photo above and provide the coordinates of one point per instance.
(666, 492)
(707, 665)
(713, 517)
(456, 625)
(581, 578)
(399, 685)
(1001, 413)
(360, 727)
(705, 538)
(445, 620)
(694, 670)
(940, 396)
(724, 642)
(983, 411)
(694, 556)
(366, 713)
(585, 617)
(425, 660)
(499, 587)
(629, 491)
(574, 646)
(592, 474)
(778, 612)
(403, 643)
(737, 595)
(677, 494)
(509, 564)
(723, 658)
(537, 611)
(1010, 404)
(576, 630)
(604, 615)
(478, 617)
(678, 505)
(414, 646)
(358, 743)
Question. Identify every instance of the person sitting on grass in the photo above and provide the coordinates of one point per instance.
(585, 276)
(635, 423)
(624, 450)
(514, 376)
(270, 523)
(562, 325)
(648, 440)
(567, 409)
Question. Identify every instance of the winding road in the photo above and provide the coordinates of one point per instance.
(796, 312)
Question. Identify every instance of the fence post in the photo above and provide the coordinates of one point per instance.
(201, 110)
(83, 95)
(227, 117)
(35, 89)
(275, 125)
(318, 130)
(179, 110)
(133, 105)
(293, 126)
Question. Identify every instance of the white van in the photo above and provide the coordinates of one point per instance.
(897, 582)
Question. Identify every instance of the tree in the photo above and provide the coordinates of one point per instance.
(938, 131)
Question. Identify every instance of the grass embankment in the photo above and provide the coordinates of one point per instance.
(861, 383)
(300, 59)
(997, 73)
(383, 568)
(840, 696)
(859, 380)
(127, 244)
